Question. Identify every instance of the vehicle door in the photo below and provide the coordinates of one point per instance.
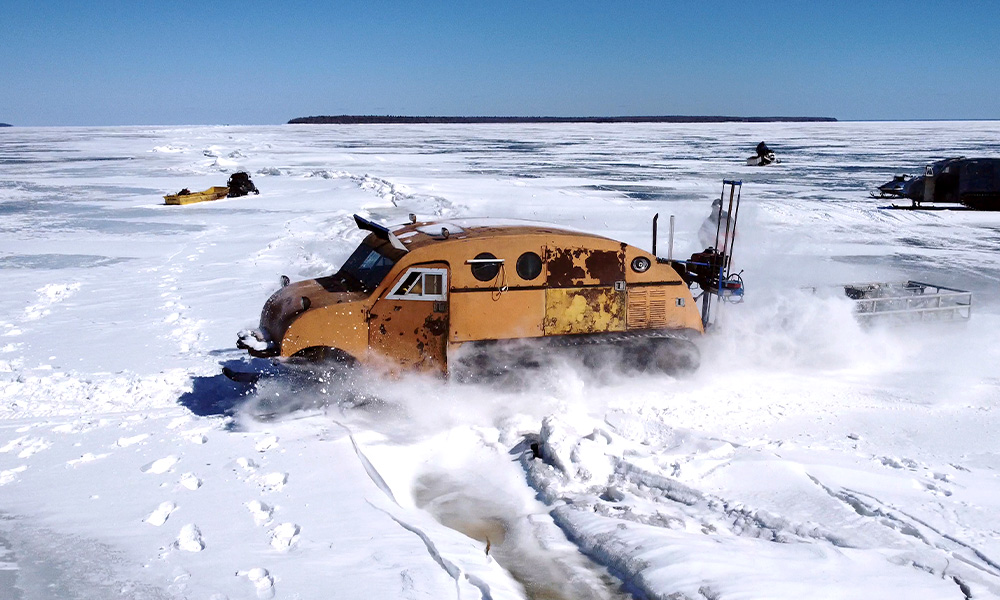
(408, 326)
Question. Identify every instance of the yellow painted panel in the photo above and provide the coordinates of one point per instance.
(490, 315)
(584, 310)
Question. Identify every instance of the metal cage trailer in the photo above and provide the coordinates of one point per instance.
(908, 302)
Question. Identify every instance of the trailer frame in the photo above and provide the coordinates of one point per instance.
(904, 302)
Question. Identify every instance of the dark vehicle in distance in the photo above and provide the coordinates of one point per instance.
(970, 182)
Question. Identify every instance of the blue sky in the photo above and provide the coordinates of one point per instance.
(145, 62)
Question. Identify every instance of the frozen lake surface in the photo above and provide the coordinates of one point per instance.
(809, 457)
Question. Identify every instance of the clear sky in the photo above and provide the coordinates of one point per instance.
(147, 62)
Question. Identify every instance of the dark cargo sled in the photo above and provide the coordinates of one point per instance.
(970, 182)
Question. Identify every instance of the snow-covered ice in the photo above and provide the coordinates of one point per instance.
(809, 457)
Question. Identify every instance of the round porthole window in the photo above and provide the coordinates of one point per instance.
(529, 266)
(485, 267)
(640, 264)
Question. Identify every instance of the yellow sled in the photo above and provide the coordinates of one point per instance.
(212, 193)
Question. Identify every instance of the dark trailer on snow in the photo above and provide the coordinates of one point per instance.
(971, 182)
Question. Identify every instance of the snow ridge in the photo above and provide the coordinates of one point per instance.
(399, 195)
(370, 469)
(909, 525)
(453, 570)
(635, 518)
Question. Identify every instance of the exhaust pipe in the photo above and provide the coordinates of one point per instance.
(656, 218)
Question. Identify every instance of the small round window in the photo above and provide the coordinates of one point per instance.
(529, 266)
(485, 266)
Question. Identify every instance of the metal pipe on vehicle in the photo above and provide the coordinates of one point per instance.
(670, 243)
(656, 218)
(736, 215)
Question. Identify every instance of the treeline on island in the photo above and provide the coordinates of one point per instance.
(390, 119)
(5, 125)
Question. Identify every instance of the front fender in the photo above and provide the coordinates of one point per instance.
(343, 326)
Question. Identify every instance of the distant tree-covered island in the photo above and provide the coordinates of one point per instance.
(390, 119)
(5, 125)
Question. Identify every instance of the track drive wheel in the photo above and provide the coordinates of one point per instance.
(322, 361)
(672, 356)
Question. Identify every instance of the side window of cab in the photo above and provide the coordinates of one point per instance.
(421, 284)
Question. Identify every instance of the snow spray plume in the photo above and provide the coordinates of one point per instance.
(796, 330)
(801, 332)
(309, 388)
(567, 380)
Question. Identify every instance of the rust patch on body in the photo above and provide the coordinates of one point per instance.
(436, 325)
(604, 266)
(573, 267)
(563, 269)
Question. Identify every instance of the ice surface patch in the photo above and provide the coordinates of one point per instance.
(284, 536)
(168, 149)
(224, 164)
(222, 160)
(266, 444)
(190, 481)
(33, 446)
(196, 436)
(87, 457)
(260, 512)
(273, 482)
(47, 296)
(160, 465)
(161, 514)
(10, 475)
(262, 581)
(61, 393)
(324, 174)
(178, 422)
(125, 442)
(189, 539)
(12, 444)
(26, 446)
(398, 195)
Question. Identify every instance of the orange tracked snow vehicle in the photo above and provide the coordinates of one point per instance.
(429, 296)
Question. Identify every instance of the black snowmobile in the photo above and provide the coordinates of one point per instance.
(971, 182)
(765, 156)
(240, 185)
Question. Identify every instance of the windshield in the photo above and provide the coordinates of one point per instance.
(366, 268)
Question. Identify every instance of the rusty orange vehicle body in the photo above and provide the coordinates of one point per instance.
(415, 296)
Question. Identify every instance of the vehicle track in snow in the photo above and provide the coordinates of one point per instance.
(560, 464)
(969, 559)
(529, 547)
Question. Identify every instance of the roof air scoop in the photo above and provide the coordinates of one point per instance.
(380, 232)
